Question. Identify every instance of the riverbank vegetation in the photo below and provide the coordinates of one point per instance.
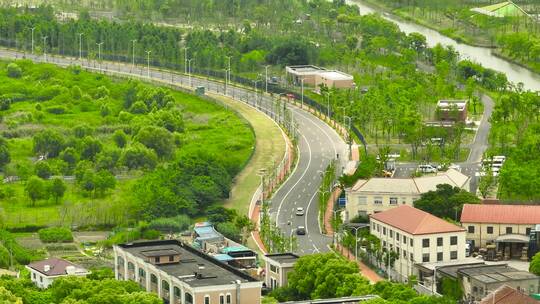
(83, 149)
(516, 37)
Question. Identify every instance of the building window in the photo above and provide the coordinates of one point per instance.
(393, 200)
(439, 241)
(398, 253)
(206, 299)
(221, 299)
(34, 275)
(156, 259)
(384, 244)
(470, 229)
(425, 258)
(453, 255)
(508, 230)
(425, 243)
(189, 298)
(397, 236)
(412, 243)
(171, 258)
(453, 240)
(373, 226)
(489, 230)
(153, 279)
(378, 228)
(384, 230)
(404, 240)
(377, 200)
(273, 268)
(362, 200)
(411, 257)
(404, 254)
(528, 231)
(229, 301)
(391, 233)
(439, 256)
(41, 279)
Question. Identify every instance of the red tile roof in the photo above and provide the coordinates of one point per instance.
(415, 221)
(508, 295)
(500, 214)
(56, 266)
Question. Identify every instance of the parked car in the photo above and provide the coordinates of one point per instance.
(299, 211)
(427, 169)
(301, 230)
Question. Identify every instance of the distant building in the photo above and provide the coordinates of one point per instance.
(205, 236)
(500, 10)
(179, 273)
(315, 76)
(43, 273)
(278, 265)
(380, 194)
(416, 237)
(452, 110)
(507, 226)
(508, 295)
(476, 278)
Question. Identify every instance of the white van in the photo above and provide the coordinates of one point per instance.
(427, 169)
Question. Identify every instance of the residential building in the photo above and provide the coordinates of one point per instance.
(476, 278)
(452, 110)
(379, 194)
(507, 226)
(417, 237)
(179, 273)
(278, 265)
(206, 237)
(43, 273)
(314, 76)
(508, 295)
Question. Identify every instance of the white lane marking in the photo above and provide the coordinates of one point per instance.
(315, 247)
(322, 130)
(307, 211)
(309, 184)
(301, 178)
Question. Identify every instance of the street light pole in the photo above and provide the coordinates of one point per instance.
(33, 40)
(80, 46)
(302, 105)
(44, 48)
(185, 60)
(266, 78)
(133, 55)
(229, 69)
(356, 242)
(328, 103)
(189, 70)
(148, 63)
(99, 54)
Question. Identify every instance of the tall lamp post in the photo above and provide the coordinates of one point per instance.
(266, 78)
(328, 104)
(148, 63)
(189, 70)
(80, 46)
(185, 60)
(302, 104)
(33, 40)
(133, 53)
(356, 241)
(99, 54)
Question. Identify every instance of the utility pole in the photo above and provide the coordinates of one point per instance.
(33, 40)
(266, 78)
(189, 70)
(148, 63)
(185, 60)
(45, 48)
(80, 46)
(99, 54)
(133, 56)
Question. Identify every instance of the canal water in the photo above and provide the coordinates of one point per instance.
(482, 55)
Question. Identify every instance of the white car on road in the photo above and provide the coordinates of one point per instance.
(299, 211)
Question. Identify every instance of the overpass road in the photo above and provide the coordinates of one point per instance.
(318, 145)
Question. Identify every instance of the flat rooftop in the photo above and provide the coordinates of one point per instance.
(496, 273)
(335, 75)
(283, 257)
(209, 270)
(304, 69)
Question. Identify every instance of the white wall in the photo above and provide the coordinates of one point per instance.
(364, 202)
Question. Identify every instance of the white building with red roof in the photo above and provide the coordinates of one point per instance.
(417, 237)
(507, 226)
(43, 273)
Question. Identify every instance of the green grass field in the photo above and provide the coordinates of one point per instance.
(209, 128)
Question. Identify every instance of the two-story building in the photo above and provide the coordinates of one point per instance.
(506, 226)
(416, 237)
(277, 266)
(43, 273)
(379, 194)
(179, 273)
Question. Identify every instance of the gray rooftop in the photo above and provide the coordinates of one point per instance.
(496, 273)
(195, 268)
(282, 258)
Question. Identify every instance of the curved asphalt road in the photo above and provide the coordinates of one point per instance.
(318, 145)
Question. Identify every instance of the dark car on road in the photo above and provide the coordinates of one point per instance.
(301, 230)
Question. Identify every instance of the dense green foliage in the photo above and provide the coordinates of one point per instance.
(446, 201)
(59, 159)
(329, 275)
(55, 235)
(534, 267)
(79, 290)
(13, 253)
